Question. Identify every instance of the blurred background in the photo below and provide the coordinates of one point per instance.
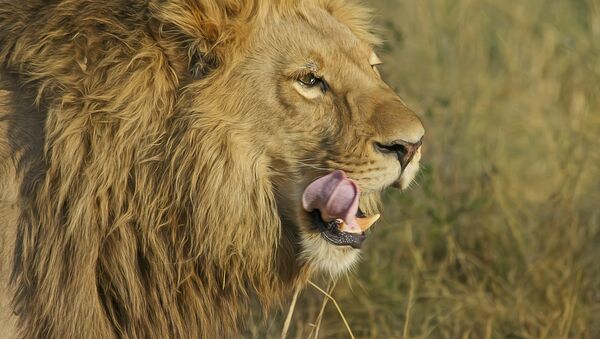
(500, 235)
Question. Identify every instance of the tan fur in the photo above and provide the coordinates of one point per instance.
(153, 154)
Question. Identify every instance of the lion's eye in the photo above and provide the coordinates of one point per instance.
(310, 80)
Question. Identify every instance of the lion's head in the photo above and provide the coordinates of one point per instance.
(197, 152)
(301, 83)
(305, 86)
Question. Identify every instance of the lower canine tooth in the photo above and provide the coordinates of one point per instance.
(345, 228)
(363, 223)
(367, 222)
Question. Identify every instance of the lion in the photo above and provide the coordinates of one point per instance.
(164, 164)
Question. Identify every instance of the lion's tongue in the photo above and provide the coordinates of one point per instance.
(336, 197)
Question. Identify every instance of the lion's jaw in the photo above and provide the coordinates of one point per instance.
(315, 252)
(321, 255)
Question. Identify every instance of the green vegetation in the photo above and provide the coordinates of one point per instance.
(500, 236)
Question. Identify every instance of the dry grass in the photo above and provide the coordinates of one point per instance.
(500, 238)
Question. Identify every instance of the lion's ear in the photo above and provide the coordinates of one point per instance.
(200, 29)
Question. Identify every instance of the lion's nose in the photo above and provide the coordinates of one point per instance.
(403, 150)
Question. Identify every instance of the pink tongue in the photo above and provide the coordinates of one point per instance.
(335, 196)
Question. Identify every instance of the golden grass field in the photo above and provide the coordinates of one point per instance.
(500, 236)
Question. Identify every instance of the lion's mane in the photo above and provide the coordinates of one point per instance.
(143, 211)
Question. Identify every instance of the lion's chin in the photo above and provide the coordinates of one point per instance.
(325, 257)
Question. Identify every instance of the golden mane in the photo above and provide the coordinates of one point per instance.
(125, 199)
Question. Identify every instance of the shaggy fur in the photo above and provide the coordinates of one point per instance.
(152, 155)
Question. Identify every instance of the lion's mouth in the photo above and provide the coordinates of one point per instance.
(332, 231)
(332, 202)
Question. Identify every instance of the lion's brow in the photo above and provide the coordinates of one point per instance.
(311, 65)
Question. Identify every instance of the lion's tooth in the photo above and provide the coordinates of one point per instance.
(363, 224)
(349, 229)
(367, 222)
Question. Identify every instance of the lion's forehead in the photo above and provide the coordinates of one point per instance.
(315, 28)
